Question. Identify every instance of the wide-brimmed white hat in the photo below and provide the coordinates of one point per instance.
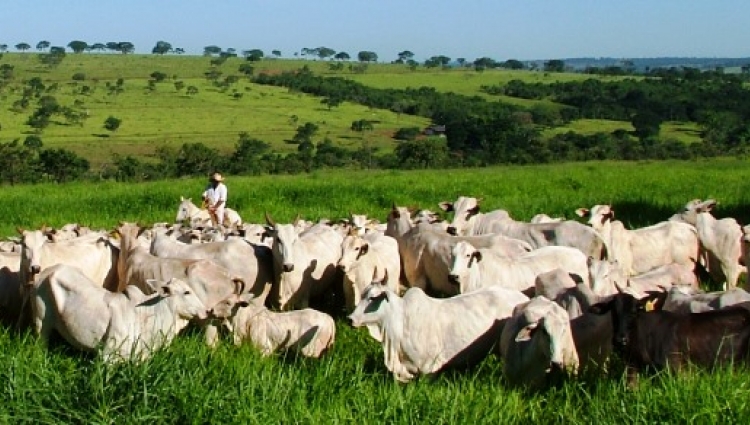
(216, 177)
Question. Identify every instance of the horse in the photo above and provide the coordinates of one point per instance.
(200, 216)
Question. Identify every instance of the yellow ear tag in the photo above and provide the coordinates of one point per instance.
(650, 305)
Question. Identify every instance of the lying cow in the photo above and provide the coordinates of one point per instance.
(678, 302)
(307, 331)
(536, 340)
(424, 335)
(129, 325)
(662, 339)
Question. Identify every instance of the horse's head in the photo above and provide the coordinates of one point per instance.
(184, 211)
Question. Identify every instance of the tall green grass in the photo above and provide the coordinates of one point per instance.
(188, 383)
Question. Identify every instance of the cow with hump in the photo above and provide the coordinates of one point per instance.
(125, 326)
(424, 335)
(304, 263)
(467, 220)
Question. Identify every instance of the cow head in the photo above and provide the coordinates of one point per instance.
(377, 309)
(399, 222)
(689, 213)
(606, 276)
(463, 257)
(178, 294)
(546, 328)
(598, 215)
(624, 309)
(352, 249)
(464, 211)
(31, 253)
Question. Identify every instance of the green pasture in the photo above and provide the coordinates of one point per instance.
(189, 383)
(168, 117)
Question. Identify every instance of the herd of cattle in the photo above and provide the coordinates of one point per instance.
(550, 295)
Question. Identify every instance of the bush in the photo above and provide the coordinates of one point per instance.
(407, 133)
(79, 76)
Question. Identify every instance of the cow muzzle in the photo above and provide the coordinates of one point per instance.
(288, 267)
(453, 279)
(452, 230)
(35, 269)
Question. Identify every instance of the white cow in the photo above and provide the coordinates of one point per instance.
(210, 282)
(679, 302)
(126, 326)
(365, 259)
(251, 263)
(304, 263)
(423, 335)
(10, 288)
(308, 332)
(468, 221)
(607, 277)
(425, 251)
(720, 239)
(536, 339)
(647, 248)
(475, 268)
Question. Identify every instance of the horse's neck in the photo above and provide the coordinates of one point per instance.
(193, 210)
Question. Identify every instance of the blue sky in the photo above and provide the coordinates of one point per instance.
(500, 29)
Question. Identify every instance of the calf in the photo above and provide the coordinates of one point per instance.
(662, 339)
(307, 331)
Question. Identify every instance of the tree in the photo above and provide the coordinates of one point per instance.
(646, 124)
(112, 123)
(276, 53)
(3, 47)
(191, 90)
(512, 64)
(158, 76)
(179, 85)
(33, 142)
(78, 46)
(436, 61)
(332, 101)
(98, 46)
(247, 155)
(367, 56)
(43, 45)
(18, 163)
(461, 62)
(253, 55)
(305, 133)
(423, 153)
(161, 48)
(325, 52)
(342, 56)
(404, 56)
(211, 50)
(483, 63)
(554, 65)
(22, 47)
(61, 165)
(179, 50)
(196, 159)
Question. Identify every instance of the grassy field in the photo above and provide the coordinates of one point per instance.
(189, 383)
(168, 117)
(684, 132)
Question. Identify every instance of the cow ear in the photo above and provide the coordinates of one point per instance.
(182, 198)
(601, 308)
(576, 278)
(526, 333)
(583, 212)
(446, 206)
(708, 205)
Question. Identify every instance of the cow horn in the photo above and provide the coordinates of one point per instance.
(20, 230)
(239, 285)
(297, 219)
(269, 220)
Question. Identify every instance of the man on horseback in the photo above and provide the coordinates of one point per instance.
(215, 199)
